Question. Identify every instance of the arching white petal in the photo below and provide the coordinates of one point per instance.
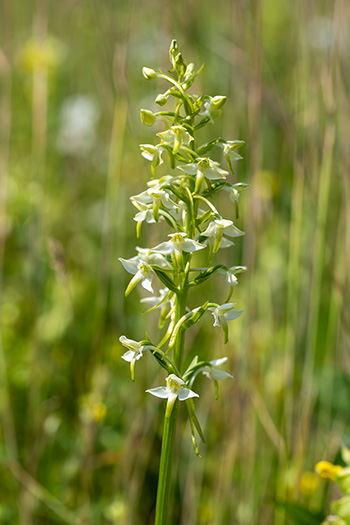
(159, 391)
(186, 393)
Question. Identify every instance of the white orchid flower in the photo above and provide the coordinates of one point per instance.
(173, 390)
(134, 352)
(212, 370)
(225, 312)
(222, 314)
(230, 152)
(176, 136)
(163, 299)
(146, 215)
(217, 229)
(204, 167)
(151, 257)
(152, 153)
(230, 273)
(212, 107)
(179, 243)
(141, 271)
(153, 197)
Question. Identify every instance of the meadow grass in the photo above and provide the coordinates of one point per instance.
(79, 443)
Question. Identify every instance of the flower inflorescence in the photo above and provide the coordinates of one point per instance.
(184, 200)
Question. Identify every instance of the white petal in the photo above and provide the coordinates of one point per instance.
(233, 231)
(190, 245)
(130, 265)
(218, 362)
(129, 343)
(147, 283)
(191, 169)
(226, 243)
(211, 230)
(218, 375)
(164, 248)
(129, 356)
(232, 314)
(159, 391)
(186, 393)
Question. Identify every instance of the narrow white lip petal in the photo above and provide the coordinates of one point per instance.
(186, 393)
(159, 391)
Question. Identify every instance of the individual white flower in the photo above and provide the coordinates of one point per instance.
(163, 299)
(146, 215)
(212, 106)
(178, 243)
(225, 312)
(212, 370)
(204, 167)
(153, 197)
(134, 352)
(217, 229)
(152, 153)
(230, 152)
(141, 271)
(151, 257)
(233, 191)
(230, 273)
(173, 390)
(176, 136)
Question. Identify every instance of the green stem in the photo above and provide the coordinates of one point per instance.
(165, 468)
(168, 441)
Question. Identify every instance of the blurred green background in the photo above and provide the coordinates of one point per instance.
(79, 442)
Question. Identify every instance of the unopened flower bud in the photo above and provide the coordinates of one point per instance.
(149, 73)
(147, 117)
(217, 102)
(161, 99)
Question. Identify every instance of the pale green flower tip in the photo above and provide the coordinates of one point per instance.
(147, 117)
(149, 73)
(218, 102)
(161, 99)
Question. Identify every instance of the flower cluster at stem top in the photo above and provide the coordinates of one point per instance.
(184, 200)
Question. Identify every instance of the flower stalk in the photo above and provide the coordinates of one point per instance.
(182, 199)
